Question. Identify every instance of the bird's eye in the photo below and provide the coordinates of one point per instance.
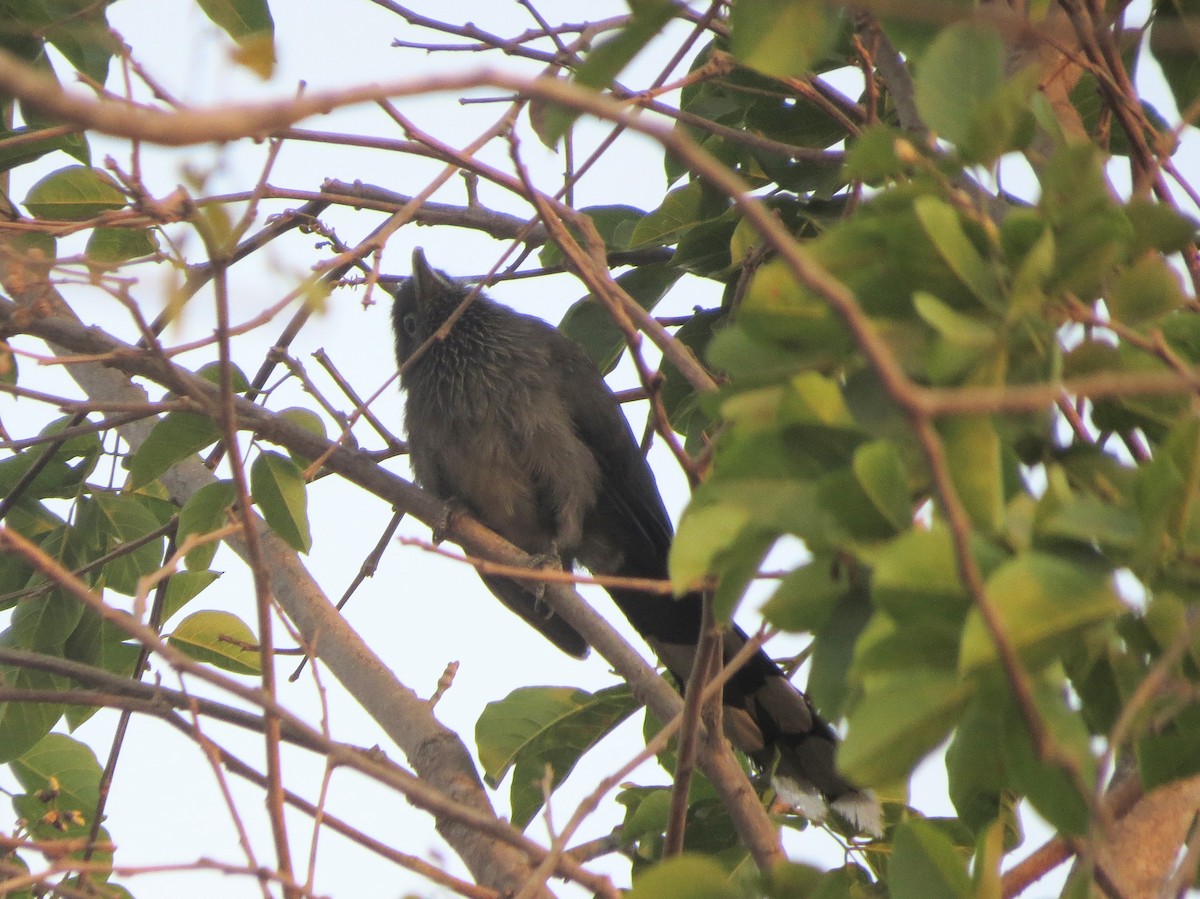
(409, 322)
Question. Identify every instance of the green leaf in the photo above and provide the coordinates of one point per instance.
(75, 193)
(1091, 232)
(611, 55)
(964, 341)
(79, 29)
(888, 645)
(1171, 754)
(704, 535)
(815, 399)
(1049, 789)
(958, 327)
(239, 18)
(25, 22)
(59, 477)
(646, 811)
(211, 372)
(973, 456)
(1089, 521)
(880, 153)
(807, 596)
(1042, 601)
(739, 564)
(685, 406)
(607, 60)
(23, 724)
(730, 518)
(829, 682)
(705, 249)
(116, 519)
(740, 355)
(680, 210)
(790, 879)
(925, 864)
(589, 323)
(1145, 290)
(278, 487)
(782, 38)
(205, 511)
(975, 765)
(843, 498)
(880, 473)
(1004, 121)
(962, 69)
(71, 764)
(684, 877)
(101, 644)
(43, 622)
(108, 246)
(309, 421)
(941, 224)
(899, 720)
(535, 728)
(776, 309)
(1165, 621)
(250, 25)
(1156, 415)
(218, 639)
(62, 778)
(175, 437)
(614, 224)
(1165, 757)
(1158, 226)
(1175, 43)
(1029, 245)
(183, 587)
(33, 147)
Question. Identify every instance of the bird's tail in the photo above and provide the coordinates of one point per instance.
(765, 715)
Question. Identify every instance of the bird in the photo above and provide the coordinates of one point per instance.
(509, 420)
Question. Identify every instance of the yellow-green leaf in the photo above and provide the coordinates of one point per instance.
(942, 227)
(782, 38)
(112, 245)
(1145, 290)
(218, 638)
(880, 473)
(973, 454)
(898, 722)
(1042, 601)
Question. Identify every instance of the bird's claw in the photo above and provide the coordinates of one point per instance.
(550, 561)
(451, 510)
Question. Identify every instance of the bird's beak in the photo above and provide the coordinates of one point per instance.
(422, 272)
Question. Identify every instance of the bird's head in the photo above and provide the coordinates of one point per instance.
(422, 303)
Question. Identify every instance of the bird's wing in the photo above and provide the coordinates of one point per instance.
(628, 505)
(525, 603)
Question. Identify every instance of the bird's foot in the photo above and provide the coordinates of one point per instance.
(451, 510)
(549, 561)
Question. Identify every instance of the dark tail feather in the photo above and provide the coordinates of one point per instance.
(520, 599)
(765, 715)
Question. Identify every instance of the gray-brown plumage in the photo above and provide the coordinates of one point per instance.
(509, 418)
